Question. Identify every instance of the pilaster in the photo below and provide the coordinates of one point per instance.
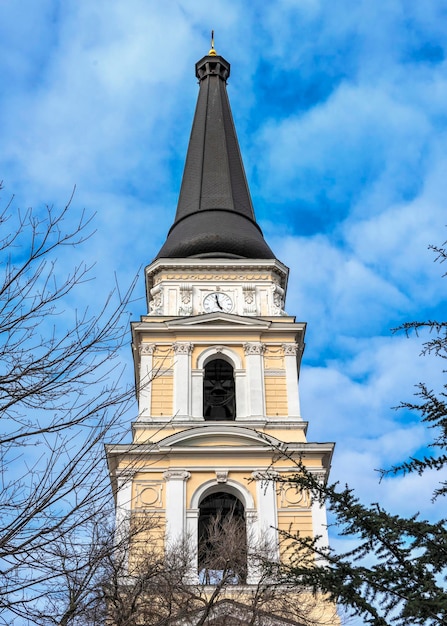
(319, 516)
(267, 511)
(291, 367)
(175, 505)
(146, 372)
(255, 378)
(182, 379)
(122, 517)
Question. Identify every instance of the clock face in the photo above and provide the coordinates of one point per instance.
(217, 301)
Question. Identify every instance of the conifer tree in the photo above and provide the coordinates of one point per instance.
(396, 573)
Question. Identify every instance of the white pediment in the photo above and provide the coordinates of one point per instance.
(216, 435)
(218, 319)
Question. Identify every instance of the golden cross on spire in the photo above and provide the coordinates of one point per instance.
(212, 52)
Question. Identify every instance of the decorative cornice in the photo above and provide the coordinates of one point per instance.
(267, 475)
(204, 269)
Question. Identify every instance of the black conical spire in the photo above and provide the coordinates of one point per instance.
(215, 216)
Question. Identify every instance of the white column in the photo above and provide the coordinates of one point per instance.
(254, 544)
(255, 378)
(267, 511)
(146, 372)
(192, 534)
(241, 393)
(122, 517)
(319, 517)
(197, 394)
(182, 380)
(291, 367)
(175, 505)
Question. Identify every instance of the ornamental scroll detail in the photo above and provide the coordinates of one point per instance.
(249, 292)
(185, 299)
(278, 300)
(156, 304)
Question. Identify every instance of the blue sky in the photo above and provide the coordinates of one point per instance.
(340, 109)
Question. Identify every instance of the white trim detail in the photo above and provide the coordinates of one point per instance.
(231, 486)
(208, 353)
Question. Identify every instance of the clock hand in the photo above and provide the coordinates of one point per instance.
(217, 302)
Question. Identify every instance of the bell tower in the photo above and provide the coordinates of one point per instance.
(217, 361)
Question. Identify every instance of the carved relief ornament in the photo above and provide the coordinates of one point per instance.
(182, 348)
(156, 303)
(147, 349)
(176, 475)
(290, 349)
(221, 476)
(254, 348)
(186, 299)
(278, 300)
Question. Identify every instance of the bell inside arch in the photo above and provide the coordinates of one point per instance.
(219, 391)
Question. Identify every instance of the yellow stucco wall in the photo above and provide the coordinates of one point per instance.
(162, 395)
(275, 395)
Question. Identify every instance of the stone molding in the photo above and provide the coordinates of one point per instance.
(202, 276)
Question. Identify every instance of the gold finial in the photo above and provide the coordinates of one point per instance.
(212, 52)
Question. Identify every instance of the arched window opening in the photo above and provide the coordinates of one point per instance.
(222, 540)
(219, 398)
